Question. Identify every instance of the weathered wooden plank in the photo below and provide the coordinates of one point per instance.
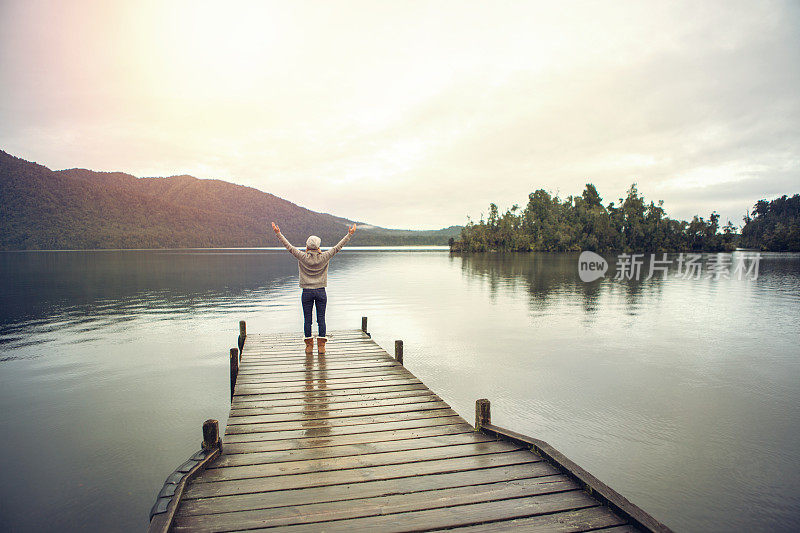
(454, 516)
(344, 440)
(369, 488)
(329, 431)
(338, 384)
(259, 416)
(324, 376)
(307, 424)
(344, 361)
(284, 340)
(338, 401)
(323, 513)
(587, 519)
(357, 475)
(292, 346)
(349, 382)
(337, 356)
(298, 354)
(324, 404)
(339, 341)
(387, 372)
(289, 347)
(621, 529)
(330, 393)
(281, 335)
(250, 389)
(343, 364)
(264, 369)
(362, 449)
(263, 470)
(329, 360)
(320, 380)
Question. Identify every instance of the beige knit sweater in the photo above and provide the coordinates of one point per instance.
(313, 264)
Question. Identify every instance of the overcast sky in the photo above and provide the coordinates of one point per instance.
(415, 114)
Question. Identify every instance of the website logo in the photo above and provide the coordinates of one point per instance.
(591, 266)
(631, 266)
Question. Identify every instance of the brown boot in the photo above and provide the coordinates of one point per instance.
(310, 345)
(321, 344)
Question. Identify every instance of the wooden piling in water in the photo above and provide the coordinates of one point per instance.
(398, 351)
(234, 368)
(242, 335)
(364, 324)
(211, 438)
(483, 413)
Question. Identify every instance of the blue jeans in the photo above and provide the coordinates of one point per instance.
(309, 298)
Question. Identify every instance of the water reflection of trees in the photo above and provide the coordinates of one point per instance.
(548, 277)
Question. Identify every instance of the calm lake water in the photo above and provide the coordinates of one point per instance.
(682, 394)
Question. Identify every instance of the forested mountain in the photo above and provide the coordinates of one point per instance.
(548, 223)
(77, 208)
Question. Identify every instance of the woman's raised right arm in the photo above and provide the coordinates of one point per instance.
(292, 250)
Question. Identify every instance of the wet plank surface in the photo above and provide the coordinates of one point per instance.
(352, 441)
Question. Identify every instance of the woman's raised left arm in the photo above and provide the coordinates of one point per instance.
(292, 250)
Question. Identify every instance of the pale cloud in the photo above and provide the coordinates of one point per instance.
(415, 114)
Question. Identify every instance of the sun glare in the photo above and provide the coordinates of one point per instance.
(210, 49)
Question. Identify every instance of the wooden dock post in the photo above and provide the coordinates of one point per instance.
(483, 413)
(211, 438)
(242, 335)
(398, 351)
(364, 324)
(234, 368)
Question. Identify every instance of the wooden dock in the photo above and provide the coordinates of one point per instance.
(352, 441)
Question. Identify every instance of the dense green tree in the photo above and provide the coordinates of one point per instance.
(550, 224)
(773, 226)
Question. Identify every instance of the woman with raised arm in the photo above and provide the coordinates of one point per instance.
(313, 265)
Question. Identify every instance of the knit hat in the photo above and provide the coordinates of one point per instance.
(313, 243)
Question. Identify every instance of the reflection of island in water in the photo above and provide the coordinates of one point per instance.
(542, 275)
(552, 276)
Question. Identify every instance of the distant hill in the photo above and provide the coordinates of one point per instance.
(80, 209)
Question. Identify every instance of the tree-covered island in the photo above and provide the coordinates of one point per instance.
(550, 224)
